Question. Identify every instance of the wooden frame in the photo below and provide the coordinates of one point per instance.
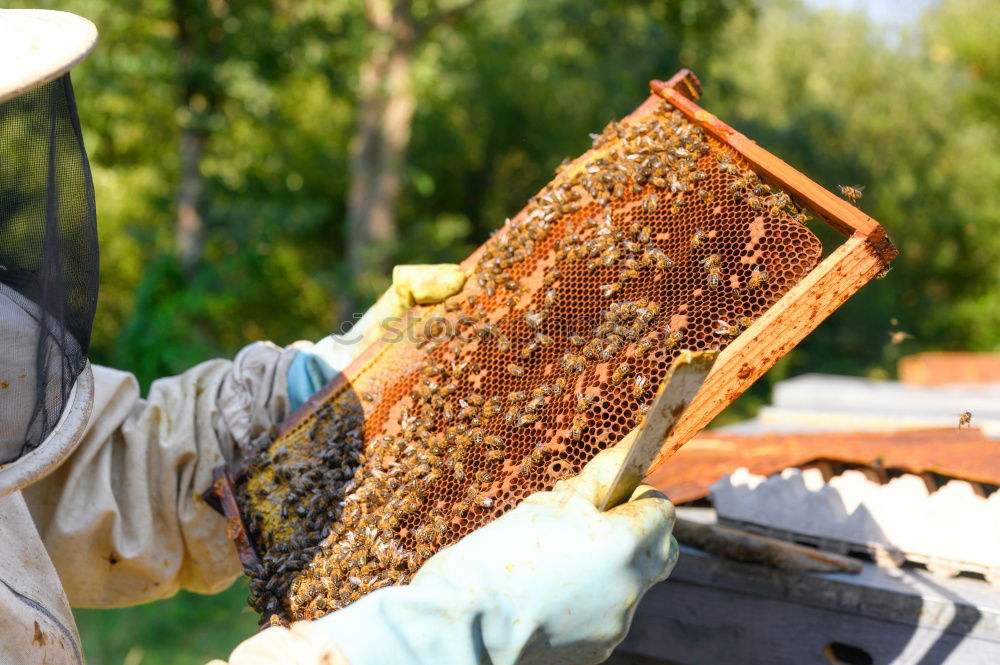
(866, 252)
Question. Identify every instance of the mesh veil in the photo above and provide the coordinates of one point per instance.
(48, 262)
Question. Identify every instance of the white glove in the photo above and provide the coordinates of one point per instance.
(411, 285)
(552, 582)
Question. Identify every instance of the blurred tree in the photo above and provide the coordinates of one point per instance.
(386, 102)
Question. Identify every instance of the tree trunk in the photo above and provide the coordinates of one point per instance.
(385, 111)
(189, 228)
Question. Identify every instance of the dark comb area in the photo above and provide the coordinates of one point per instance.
(658, 239)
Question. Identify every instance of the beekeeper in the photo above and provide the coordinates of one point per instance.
(99, 487)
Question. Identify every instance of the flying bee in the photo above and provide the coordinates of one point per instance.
(758, 277)
(650, 203)
(852, 194)
(578, 426)
(620, 373)
(515, 370)
(698, 237)
(965, 418)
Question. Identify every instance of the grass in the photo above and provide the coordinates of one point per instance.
(188, 629)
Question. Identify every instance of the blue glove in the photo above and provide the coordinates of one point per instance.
(312, 368)
(552, 582)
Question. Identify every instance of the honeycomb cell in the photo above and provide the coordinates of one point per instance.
(658, 239)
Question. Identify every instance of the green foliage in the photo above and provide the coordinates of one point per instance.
(503, 95)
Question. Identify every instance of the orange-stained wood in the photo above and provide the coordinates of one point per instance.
(804, 307)
(964, 454)
(949, 367)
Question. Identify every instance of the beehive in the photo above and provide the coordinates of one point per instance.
(667, 234)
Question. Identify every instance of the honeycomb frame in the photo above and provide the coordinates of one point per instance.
(814, 294)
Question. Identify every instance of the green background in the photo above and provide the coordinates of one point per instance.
(503, 93)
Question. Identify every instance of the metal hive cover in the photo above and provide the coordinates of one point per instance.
(659, 238)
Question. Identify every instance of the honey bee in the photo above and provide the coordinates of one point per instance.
(559, 385)
(543, 340)
(608, 290)
(527, 465)
(512, 414)
(577, 340)
(534, 319)
(476, 399)
(650, 203)
(503, 344)
(528, 349)
(883, 273)
(494, 456)
(491, 407)
(852, 194)
(583, 402)
(517, 396)
(711, 261)
(458, 470)
(515, 370)
(643, 347)
(527, 419)
(673, 340)
(706, 196)
(611, 256)
(639, 385)
(620, 373)
(535, 404)
(713, 277)
(578, 426)
(726, 329)
(552, 276)
(550, 298)
(698, 237)
(758, 277)
(494, 441)
(484, 477)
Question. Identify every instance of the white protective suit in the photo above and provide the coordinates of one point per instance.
(120, 521)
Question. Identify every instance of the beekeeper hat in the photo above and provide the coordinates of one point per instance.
(38, 45)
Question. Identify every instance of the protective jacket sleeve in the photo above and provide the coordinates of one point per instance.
(122, 517)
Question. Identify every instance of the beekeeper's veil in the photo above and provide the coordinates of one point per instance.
(48, 244)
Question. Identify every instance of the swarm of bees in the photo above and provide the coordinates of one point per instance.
(659, 239)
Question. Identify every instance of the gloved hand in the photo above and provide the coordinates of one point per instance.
(552, 582)
(411, 285)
